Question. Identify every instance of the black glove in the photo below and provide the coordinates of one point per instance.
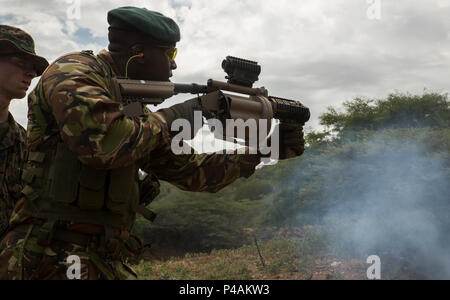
(292, 142)
(149, 189)
(183, 110)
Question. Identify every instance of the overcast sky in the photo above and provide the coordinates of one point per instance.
(321, 52)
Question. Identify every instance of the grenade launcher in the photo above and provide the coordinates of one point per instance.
(252, 103)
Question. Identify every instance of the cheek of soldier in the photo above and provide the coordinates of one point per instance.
(155, 65)
(14, 81)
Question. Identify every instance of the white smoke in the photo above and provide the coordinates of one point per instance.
(397, 204)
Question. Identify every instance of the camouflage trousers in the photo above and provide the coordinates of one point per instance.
(21, 257)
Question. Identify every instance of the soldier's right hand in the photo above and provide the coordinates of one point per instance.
(184, 111)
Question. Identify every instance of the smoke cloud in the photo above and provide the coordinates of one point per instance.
(390, 198)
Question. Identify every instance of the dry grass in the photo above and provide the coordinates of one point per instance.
(289, 254)
(300, 257)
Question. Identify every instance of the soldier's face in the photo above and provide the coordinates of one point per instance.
(155, 65)
(16, 73)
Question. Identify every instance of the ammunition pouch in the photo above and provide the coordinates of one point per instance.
(60, 188)
(107, 247)
(133, 248)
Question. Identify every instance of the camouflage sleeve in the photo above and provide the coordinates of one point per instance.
(199, 172)
(91, 124)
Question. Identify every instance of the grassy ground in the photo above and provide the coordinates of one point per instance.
(297, 255)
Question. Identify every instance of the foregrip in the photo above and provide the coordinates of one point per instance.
(289, 111)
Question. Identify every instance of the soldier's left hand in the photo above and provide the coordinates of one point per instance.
(292, 142)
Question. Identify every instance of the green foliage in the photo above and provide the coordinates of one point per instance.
(397, 111)
(317, 138)
(201, 222)
(254, 190)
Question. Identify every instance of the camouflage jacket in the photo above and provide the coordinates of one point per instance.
(12, 155)
(75, 99)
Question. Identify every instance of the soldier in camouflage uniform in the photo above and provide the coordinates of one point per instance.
(81, 179)
(18, 66)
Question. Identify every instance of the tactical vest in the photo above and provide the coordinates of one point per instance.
(60, 188)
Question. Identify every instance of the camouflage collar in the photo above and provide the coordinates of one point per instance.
(106, 56)
(13, 135)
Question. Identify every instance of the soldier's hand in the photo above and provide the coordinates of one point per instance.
(292, 142)
(184, 111)
(149, 189)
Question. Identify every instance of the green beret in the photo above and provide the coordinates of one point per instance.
(142, 20)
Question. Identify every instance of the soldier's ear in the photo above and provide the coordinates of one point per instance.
(136, 50)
